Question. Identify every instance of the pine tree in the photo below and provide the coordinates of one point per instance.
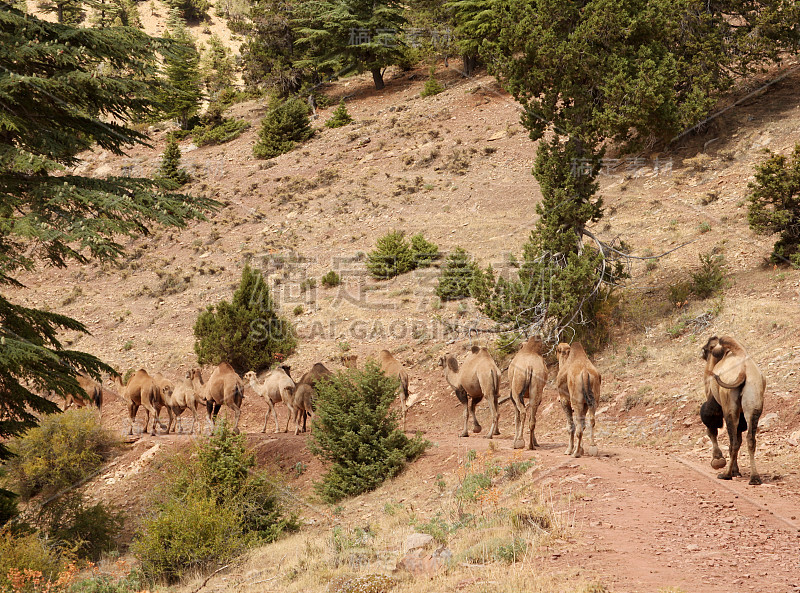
(191, 10)
(285, 125)
(170, 169)
(340, 117)
(391, 257)
(455, 281)
(217, 67)
(475, 22)
(351, 35)
(247, 333)
(66, 105)
(355, 432)
(68, 12)
(181, 96)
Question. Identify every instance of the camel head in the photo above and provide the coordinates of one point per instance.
(250, 377)
(534, 344)
(449, 362)
(286, 369)
(349, 360)
(562, 350)
(713, 348)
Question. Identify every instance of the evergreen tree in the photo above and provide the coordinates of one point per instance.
(181, 97)
(170, 169)
(351, 35)
(68, 12)
(285, 125)
(355, 432)
(115, 13)
(340, 117)
(191, 10)
(247, 333)
(475, 21)
(774, 204)
(217, 68)
(391, 257)
(455, 281)
(52, 109)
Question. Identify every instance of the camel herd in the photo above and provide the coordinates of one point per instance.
(733, 385)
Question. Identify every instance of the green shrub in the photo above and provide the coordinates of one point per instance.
(391, 257)
(219, 133)
(130, 583)
(85, 531)
(339, 117)
(423, 251)
(331, 279)
(432, 86)
(26, 551)
(286, 125)
(358, 436)
(62, 450)
(456, 278)
(248, 333)
(508, 343)
(186, 535)
(170, 169)
(211, 508)
(710, 278)
(774, 204)
(679, 293)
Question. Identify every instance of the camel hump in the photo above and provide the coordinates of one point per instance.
(225, 367)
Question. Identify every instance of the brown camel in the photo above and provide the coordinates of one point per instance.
(224, 386)
(164, 400)
(92, 393)
(578, 384)
(141, 390)
(734, 389)
(477, 378)
(391, 367)
(277, 387)
(527, 375)
(183, 398)
(304, 401)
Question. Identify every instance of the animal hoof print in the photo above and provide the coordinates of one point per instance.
(718, 463)
(592, 451)
(724, 476)
(755, 481)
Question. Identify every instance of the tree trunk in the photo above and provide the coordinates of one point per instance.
(470, 63)
(377, 77)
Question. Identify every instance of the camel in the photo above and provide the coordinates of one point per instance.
(224, 386)
(304, 398)
(182, 398)
(477, 378)
(141, 390)
(92, 393)
(164, 399)
(277, 387)
(578, 384)
(734, 389)
(527, 375)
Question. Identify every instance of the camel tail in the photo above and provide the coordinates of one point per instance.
(587, 389)
(238, 394)
(739, 380)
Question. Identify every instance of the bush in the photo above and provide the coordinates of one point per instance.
(331, 279)
(85, 531)
(357, 435)
(457, 275)
(26, 552)
(710, 279)
(423, 251)
(432, 86)
(391, 257)
(212, 507)
(219, 133)
(286, 125)
(248, 333)
(131, 583)
(62, 450)
(170, 169)
(339, 117)
(775, 204)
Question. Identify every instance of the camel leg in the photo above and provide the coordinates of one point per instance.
(752, 428)
(476, 428)
(570, 425)
(519, 423)
(270, 411)
(580, 424)
(237, 412)
(732, 424)
(533, 408)
(711, 415)
(465, 432)
(194, 418)
(132, 409)
(289, 415)
(590, 425)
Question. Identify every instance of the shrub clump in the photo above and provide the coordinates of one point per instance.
(394, 255)
(247, 332)
(62, 450)
(455, 281)
(26, 552)
(355, 432)
(710, 278)
(170, 170)
(432, 86)
(285, 126)
(331, 279)
(340, 117)
(213, 507)
(219, 132)
(775, 204)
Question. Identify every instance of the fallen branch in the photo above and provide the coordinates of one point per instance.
(208, 578)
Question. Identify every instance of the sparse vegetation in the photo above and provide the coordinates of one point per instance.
(331, 279)
(710, 278)
(357, 435)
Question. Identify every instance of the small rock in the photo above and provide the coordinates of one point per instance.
(693, 547)
(768, 420)
(418, 540)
